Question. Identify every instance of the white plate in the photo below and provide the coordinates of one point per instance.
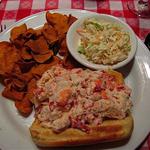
(14, 133)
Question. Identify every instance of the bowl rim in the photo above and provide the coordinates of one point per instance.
(81, 60)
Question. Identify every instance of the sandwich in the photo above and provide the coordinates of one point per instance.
(76, 107)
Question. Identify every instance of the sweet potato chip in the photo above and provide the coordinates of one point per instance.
(50, 34)
(69, 62)
(63, 48)
(18, 85)
(25, 66)
(24, 77)
(27, 76)
(12, 94)
(38, 32)
(17, 82)
(6, 81)
(61, 37)
(24, 37)
(19, 42)
(29, 34)
(71, 19)
(58, 21)
(8, 56)
(30, 89)
(24, 107)
(16, 70)
(17, 31)
(41, 58)
(38, 46)
(40, 69)
(25, 53)
(29, 54)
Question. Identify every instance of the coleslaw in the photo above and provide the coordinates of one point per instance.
(103, 42)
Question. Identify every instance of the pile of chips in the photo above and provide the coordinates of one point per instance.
(29, 53)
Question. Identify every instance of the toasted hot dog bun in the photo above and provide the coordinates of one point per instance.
(109, 130)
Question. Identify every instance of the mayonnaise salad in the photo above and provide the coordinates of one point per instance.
(78, 98)
(103, 42)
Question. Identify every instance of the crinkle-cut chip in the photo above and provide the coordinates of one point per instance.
(12, 94)
(40, 69)
(30, 89)
(9, 56)
(58, 21)
(25, 66)
(24, 107)
(50, 34)
(25, 53)
(63, 48)
(38, 46)
(71, 19)
(41, 58)
(17, 31)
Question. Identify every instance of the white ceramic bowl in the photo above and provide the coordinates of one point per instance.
(73, 39)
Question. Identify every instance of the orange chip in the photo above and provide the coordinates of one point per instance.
(30, 89)
(58, 21)
(27, 76)
(12, 94)
(29, 54)
(41, 58)
(38, 32)
(16, 81)
(8, 56)
(38, 46)
(24, 77)
(71, 19)
(16, 70)
(24, 53)
(19, 42)
(69, 62)
(25, 66)
(63, 48)
(19, 85)
(50, 34)
(40, 69)
(17, 31)
(24, 106)
(29, 33)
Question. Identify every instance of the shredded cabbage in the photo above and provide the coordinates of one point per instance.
(103, 42)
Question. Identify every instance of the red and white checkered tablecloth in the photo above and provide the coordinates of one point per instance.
(13, 10)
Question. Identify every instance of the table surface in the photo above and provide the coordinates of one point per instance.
(14, 10)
